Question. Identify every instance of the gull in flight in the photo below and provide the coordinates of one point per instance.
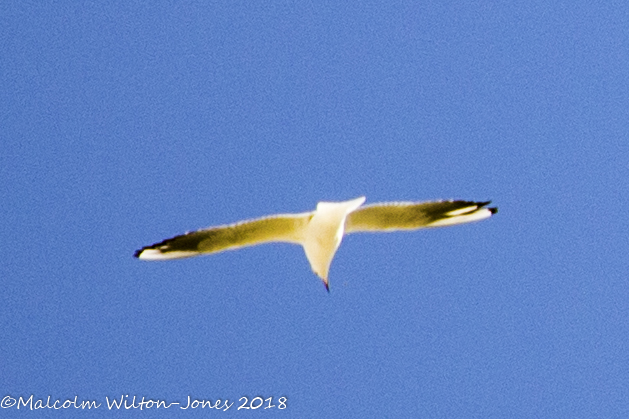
(320, 231)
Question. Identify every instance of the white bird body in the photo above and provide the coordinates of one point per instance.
(319, 232)
(325, 232)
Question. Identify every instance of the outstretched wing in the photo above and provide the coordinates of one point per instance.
(393, 216)
(278, 228)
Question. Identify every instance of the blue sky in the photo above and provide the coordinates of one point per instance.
(123, 124)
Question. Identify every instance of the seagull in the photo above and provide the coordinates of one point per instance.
(320, 231)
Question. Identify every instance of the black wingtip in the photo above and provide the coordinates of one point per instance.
(327, 287)
(493, 209)
(138, 253)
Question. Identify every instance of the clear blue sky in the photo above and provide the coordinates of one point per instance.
(124, 124)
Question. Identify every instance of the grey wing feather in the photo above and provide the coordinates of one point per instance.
(279, 228)
(413, 215)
